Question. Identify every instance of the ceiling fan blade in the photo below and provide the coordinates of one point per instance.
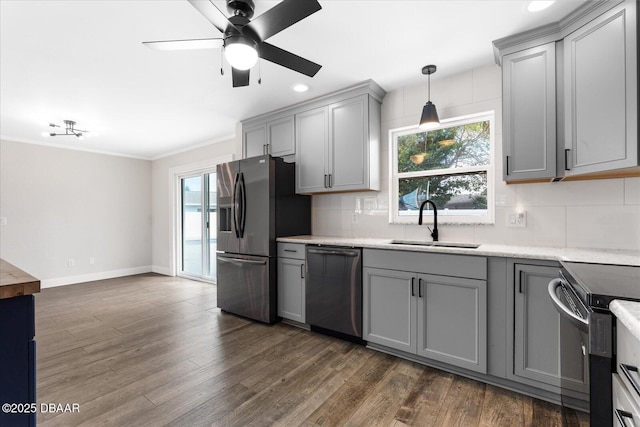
(283, 15)
(212, 13)
(240, 77)
(184, 44)
(287, 59)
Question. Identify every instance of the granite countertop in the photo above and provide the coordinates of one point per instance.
(628, 312)
(15, 282)
(600, 256)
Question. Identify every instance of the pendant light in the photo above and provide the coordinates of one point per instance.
(429, 118)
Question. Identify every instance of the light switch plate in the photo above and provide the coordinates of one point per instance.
(517, 219)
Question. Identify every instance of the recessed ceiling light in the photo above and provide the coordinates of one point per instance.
(538, 5)
(300, 87)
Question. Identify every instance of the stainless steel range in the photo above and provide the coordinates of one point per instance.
(582, 295)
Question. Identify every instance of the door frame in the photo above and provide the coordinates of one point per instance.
(175, 208)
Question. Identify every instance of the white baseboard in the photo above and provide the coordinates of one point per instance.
(70, 280)
(161, 270)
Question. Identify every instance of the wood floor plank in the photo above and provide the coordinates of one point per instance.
(463, 404)
(152, 350)
(501, 408)
(422, 405)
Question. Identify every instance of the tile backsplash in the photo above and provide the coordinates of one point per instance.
(603, 214)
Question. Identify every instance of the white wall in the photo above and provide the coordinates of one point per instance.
(62, 204)
(162, 190)
(581, 214)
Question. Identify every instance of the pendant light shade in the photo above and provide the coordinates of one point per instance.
(429, 118)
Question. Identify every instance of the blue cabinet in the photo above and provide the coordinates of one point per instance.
(17, 359)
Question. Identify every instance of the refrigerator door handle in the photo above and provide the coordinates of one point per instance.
(236, 206)
(243, 203)
(240, 261)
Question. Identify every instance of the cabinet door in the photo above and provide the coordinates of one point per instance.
(291, 289)
(311, 150)
(529, 113)
(349, 144)
(601, 93)
(537, 325)
(281, 137)
(255, 140)
(452, 321)
(389, 308)
(537, 334)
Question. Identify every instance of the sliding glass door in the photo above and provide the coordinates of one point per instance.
(198, 226)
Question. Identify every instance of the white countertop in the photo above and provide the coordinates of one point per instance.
(628, 312)
(599, 256)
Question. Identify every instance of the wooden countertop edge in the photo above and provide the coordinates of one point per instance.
(15, 282)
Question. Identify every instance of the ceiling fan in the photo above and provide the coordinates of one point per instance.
(243, 40)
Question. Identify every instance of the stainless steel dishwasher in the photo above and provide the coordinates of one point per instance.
(334, 290)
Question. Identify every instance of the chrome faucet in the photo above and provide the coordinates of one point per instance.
(434, 232)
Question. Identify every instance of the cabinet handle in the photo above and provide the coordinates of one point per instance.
(566, 159)
(419, 288)
(507, 161)
(413, 292)
(302, 271)
(325, 181)
(626, 370)
(621, 415)
(330, 180)
(267, 149)
(291, 250)
(520, 282)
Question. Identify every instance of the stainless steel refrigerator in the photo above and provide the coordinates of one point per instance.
(256, 204)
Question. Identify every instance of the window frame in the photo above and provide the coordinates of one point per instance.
(443, 218)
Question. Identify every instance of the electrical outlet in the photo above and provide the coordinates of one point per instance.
(92, 261)
(517, 219)
(354, 218)
(71, 262)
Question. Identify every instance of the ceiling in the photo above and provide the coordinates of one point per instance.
(83, 60)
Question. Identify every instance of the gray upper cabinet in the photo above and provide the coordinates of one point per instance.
(440, 317)
(536, 335)
(312, 127)
(529, 113)
(337, 147)
(254, 139)
(601, 93)
(275, 137)
(570, 95)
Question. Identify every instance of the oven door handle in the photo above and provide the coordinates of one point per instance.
(565, 311)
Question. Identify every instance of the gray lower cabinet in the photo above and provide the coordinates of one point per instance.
(438, 317)
(291, 281)
(535, 341)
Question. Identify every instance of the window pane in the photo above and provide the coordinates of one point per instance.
(192, 226)
(464, 194)
(453, 147)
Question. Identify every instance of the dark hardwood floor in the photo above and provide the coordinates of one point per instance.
(151, 350)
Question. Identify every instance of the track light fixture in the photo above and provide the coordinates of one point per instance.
(429, 118)
(69, 130)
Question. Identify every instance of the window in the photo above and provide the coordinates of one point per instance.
(451, 165)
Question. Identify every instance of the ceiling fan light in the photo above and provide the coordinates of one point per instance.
(429, 118)
(240, 52)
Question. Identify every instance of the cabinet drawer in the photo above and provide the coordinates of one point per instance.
(291, 250)
(625, 412)
(628, 359)
(473, 267)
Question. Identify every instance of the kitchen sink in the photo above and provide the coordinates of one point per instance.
(435, 244)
